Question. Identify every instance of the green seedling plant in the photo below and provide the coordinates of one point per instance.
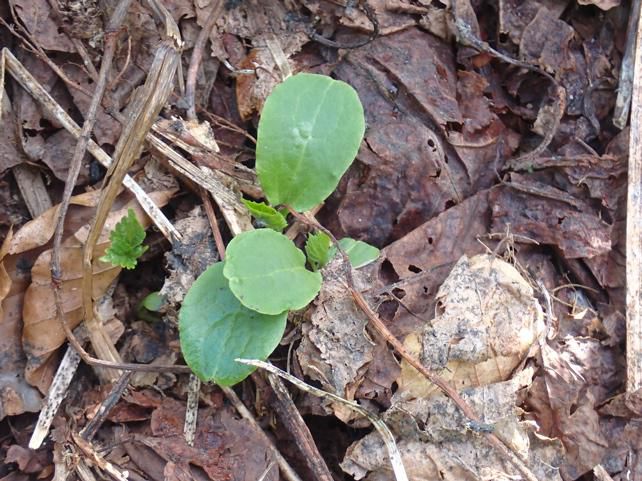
(126, 242)
(309, 133)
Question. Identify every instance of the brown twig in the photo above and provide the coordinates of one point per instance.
(117, 390)
(122, 71)
(197, 56)
(211, 216)
(291, 419)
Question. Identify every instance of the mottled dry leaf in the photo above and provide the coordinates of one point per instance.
(335, 349)
(487, 320)
(435, 442)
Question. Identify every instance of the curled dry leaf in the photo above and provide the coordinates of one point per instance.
(487, 320)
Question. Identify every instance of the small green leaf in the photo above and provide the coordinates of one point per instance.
(126, 240)
(153, 301)
(317, 248)
(272, 218)
(360, 253)
(309, 133)
(267, 273)
(215, 329)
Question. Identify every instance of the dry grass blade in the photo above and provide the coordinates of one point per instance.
(145, 109)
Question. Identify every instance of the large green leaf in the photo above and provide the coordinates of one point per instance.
(309, 133)
(267, 273)
(215, 329)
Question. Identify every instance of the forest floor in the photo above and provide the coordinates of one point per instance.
(492, 176)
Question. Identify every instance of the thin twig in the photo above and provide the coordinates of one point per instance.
(291, 419)
(197, 56)
(191, 409)
(117, 390)
(211, 216)
(122, 71)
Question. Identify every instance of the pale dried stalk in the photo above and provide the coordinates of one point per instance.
(380, 426)
(55, 395)
(634, 232)
(145, 109)
(191, 409)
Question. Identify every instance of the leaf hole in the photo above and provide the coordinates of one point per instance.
(449, 204)
(387, 272)
(399, 293)
(430, 240)
(414, 268)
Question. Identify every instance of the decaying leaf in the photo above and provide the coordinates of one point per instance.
(437, 442)
(487, 320)
(335, 349)
(486, 323)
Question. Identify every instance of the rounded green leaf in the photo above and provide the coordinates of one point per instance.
(215, 329)
(309, 133)
(267, 273)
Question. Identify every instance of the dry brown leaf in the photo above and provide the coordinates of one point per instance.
(487, 320)
(335, 349)
(225, 447)
(436, 442)
(38, 17)
(43, 333)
